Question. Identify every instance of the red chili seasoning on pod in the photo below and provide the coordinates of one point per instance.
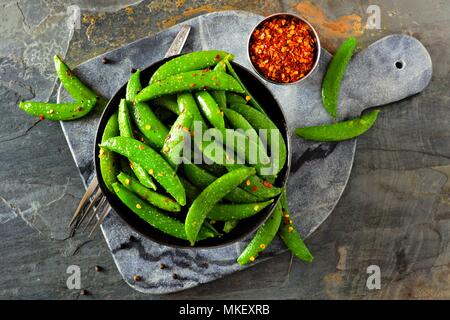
(283, 48)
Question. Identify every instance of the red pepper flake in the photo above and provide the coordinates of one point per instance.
(283, 49)
(41, 117)
(254, 189)
(217, 57)
(141, 147)
(193, 85)
(267, 184)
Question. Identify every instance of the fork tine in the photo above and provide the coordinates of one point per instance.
(101, 218)
(98, 195)
(87, 195)
(100, 205)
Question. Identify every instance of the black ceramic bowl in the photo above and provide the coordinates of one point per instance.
(243, 229)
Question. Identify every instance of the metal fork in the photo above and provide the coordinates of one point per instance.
(93, 200)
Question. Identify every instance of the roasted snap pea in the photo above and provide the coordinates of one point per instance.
(202, 179)
(175, 141)
(214, 168)
(218, 95)
(186, 101)
(168, 102)
(250, 150)
(126, 130)
(190, 81)
(226, 212)
(234, 98)
(155, 217)
(258, 156)
(156, 199)
(290, 235)
(248, 96)
(261, 188)
(191, 191)
(260, 121)
(149, 124)
(229, 225)
(331, 84)
(339, 131)
(262, 238)
(210, 109)
(108, 160)
(77, 89)
(212, 194)
(188, 62)
(151, 161)
(133, 86)
(58, 111)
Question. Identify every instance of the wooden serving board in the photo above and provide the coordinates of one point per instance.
(319, 171)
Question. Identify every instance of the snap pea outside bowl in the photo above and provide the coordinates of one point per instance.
(246, 227)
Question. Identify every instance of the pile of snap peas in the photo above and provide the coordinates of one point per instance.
(143, 142)
(331, 85)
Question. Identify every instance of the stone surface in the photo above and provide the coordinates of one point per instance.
(393, 213)
(320, 171)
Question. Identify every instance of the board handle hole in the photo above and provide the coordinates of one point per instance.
(399, 64)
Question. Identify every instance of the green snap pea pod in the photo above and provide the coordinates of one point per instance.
(175, 141)
(260, 188)
(192, 191)
(290, 235)
(339, 131)
(151, 161)
(212, 194)
(133, 86)
(248, 95)
(226, 212)
(149, 124)
(210, 109)
(108, 160)
(229, 225)
(237, 121)
(218, 95)
(187, 102)
(156, 199)
(190, 81)
(220, 98)
(125, 166)
(214, 168)
(188, 62)
(262, 238)
(77, 89)
(234, 98)
(155, 217)
(209, 225)
(139, 136)
(126, 130)
(331, 84)
(58, 111)
(168, 102)
(202, 179)
(260, 121)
